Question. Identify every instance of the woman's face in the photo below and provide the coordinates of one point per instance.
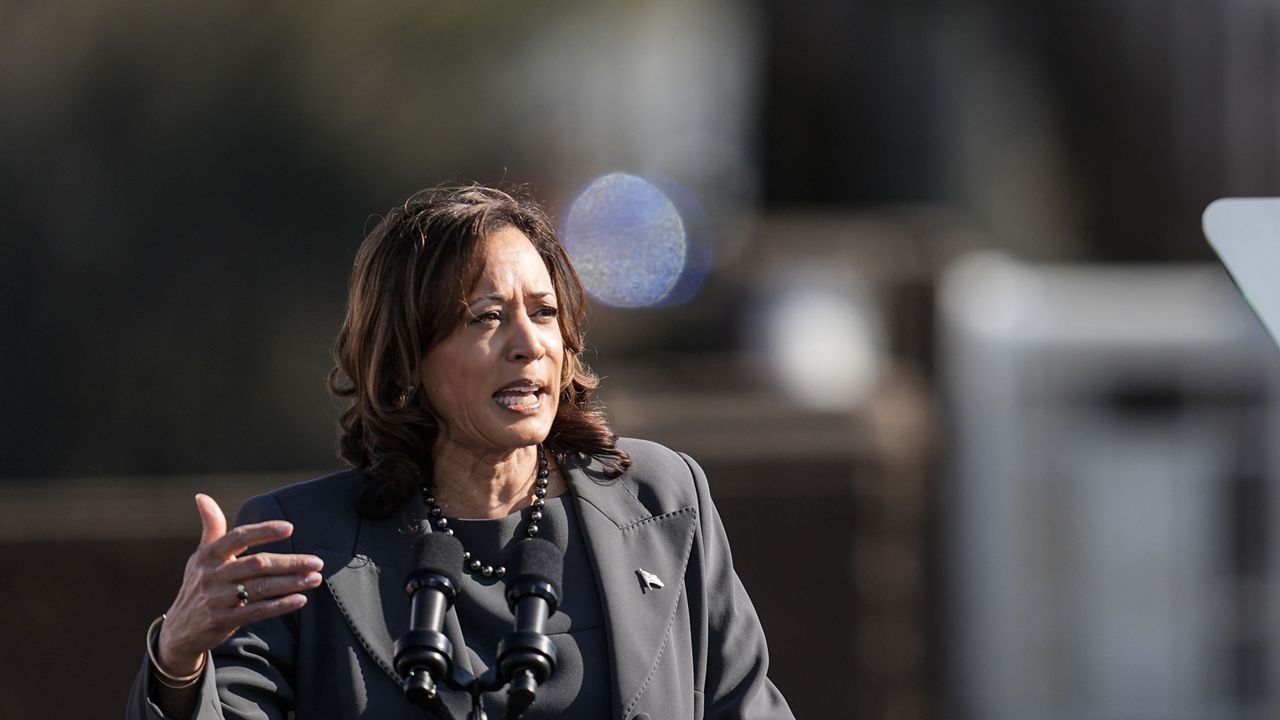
(494, 383)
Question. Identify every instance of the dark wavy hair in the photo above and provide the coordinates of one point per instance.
(408, 292)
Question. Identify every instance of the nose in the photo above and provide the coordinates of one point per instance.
(526, 341)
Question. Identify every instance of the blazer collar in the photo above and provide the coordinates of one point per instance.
(623, 538)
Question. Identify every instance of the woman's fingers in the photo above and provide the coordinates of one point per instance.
(213, 523)
(241, 538)
(266, 563)
(255, 611)
(260, 589)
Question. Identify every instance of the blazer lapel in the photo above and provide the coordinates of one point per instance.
(624, 538)
(368, 587)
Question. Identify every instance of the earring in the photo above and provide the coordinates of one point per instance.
(405, 394)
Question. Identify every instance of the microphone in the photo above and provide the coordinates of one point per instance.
(527, 657)
(424, 656)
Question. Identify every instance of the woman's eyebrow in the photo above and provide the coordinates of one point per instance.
(499, 297)
(491, 297)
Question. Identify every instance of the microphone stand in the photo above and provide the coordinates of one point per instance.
(424, 692)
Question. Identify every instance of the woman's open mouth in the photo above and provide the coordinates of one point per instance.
(523, 396)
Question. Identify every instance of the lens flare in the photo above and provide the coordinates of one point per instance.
(627, 241)
(699, 252)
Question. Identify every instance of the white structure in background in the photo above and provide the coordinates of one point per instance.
(1106, 526)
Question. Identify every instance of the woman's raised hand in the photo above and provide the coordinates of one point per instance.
(222, 591)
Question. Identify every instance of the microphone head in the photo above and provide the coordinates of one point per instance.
(536, 559)
(438, 554)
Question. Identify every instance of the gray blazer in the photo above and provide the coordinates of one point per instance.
(692, 649)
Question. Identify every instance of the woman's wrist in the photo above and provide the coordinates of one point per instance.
(164, 676)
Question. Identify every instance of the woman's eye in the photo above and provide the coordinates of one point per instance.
(486, 318)
(547, 312)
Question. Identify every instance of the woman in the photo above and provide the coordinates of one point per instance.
(470, 414)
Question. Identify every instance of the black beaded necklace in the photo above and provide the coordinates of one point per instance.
(469, 562)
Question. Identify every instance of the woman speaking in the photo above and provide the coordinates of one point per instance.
(470, 414)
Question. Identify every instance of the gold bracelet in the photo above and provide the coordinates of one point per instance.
(172, 682)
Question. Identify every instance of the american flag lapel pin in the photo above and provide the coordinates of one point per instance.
(648, 580)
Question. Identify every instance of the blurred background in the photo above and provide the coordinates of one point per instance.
(921, 284)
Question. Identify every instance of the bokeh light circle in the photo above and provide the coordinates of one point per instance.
(627, 241)
(823, 346)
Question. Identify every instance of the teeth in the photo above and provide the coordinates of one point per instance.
(516, 400)
(519, 395)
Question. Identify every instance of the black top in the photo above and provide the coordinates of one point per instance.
(580, 686)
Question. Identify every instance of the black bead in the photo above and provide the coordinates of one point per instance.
(469, 561)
